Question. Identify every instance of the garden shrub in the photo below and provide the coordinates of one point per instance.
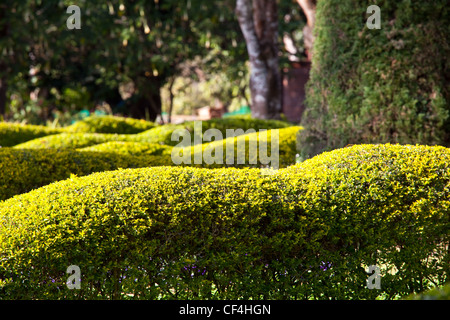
(130, 148)
(71, 140)
(159, 135)
(387, 85)
(308, 231)
(40, 162)
(22, 170)
(14, 133)
(110, 124)
(163, 134)
(242, 154)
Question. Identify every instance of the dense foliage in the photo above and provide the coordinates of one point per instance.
(306, 231)
(379, 85)
(12, 134)
(55, 157)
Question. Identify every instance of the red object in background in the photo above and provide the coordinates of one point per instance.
(294, 93)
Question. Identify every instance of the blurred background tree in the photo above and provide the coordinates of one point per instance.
(125, 53)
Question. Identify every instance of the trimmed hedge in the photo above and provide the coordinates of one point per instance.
(71, 140)
(158, 135)
(387, 85)
(28, 169)
(242, 154)
(163, 134)
(306, 232)
(110, 124)
(13, 133)
(130, 148)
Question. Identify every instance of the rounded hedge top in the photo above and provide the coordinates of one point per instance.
(306, 232)
(71, 140)
(12, 134)
(129, 148)
(110, 124)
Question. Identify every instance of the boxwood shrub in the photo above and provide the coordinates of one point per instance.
(110, 124)
(308, 231)
(71, 140)
(25, 169)
(244, 150)
(163, 134)
(160, 134)
(14, 133)
(130, 148)
(22, 170)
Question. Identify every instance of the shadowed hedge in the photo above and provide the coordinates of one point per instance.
(22, 170)
(72, 140)
(308, 231)
(158, 135)
(12, 134)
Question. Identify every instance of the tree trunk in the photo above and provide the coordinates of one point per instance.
(309, 9)
(146, 102)
(258, 20)
(171, 99)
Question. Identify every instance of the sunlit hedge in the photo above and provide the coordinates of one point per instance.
(308, 231)
(159, 135)
(163, 134)
(130, 148)
(71, 140)
(110, 124)
(22, 170)
(245, 150)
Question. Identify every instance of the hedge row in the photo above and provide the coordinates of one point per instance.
(130, 148)
(110, 124)
(12, 134)
(25, 170)
(309, 231)
(101, 129)
(437, 293)
(22, 170)
(163, 134)
(246, 150)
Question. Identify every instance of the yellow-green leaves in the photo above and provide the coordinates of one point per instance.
(229, 233)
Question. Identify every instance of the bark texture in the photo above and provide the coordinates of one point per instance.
(258, 20)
